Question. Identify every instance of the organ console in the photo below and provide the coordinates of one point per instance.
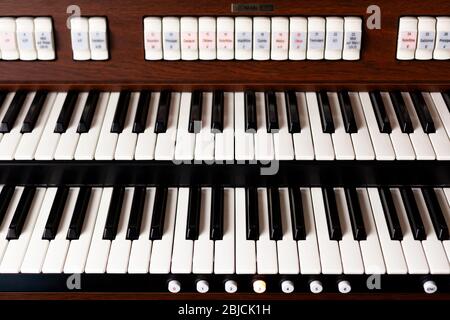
(279, 148)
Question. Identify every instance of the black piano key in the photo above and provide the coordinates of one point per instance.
(422, 112)
(390, 214)
(250, 111)
(325, 112)
(56, 212)
(380, 112)
(297, 217)
(271, 112)
(436, 215)
(195, 112)
(66, 112)
(79, 213)
(252, 221)
(446, 96)
(216, 229)
(11, 114)
(137, 210)
(347, 112)
(3, 95)
(112, 220)
(5, 198)
(401, 112)
(356, 218)
(121, 112)
(140, 118)
(193, 218)
(88, 112)
(162, 116)
(293, 117)
(159, 213)
(33, 113)
(217, 112)
(331, 212)
(273, 202)
(413, 214)
(20, 215)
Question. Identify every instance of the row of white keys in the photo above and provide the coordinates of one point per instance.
(224, 257)
(442, 110)
(224, 148)
(30, 140)
(202, 261)
(323, 144)
(284, 147)
(342, 142)
(245, 249)
(244, 141)
(185, 146)
(419, 139)
(264, 149)
(11, 139)
(362, 143)
(204, 140)
(443, 196)
(126, 143)
(15, 252)
(5, 106)
(146, 141)
(288, 262)
(7, 220)
(121, 246)
(141, 248)
(380, 141)
(303, 144)
(400, 141)
(392, 249)
(162, 249)
(165, 142)
(107, 140)
(68, 141)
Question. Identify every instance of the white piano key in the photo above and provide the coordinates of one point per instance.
(107, 140)
(121, 246)
(204, 140)
(284, 147)
(37, 250)
(5, 106)
(329, 249)
(182, 254)
(165, 142)
(361, 139)
(162, 249)
(264, 149)
(303, 144)
(224, 252)
(381, 142)
(87, 143)
(400, 141)
(244, 142)
(202, 261)
(419, 139)
(7, 220)
(68, 141)
(49, 139)
(185, 145)
(370, 248)
(323, 144)
(15, 253)
(59, 247)
(342, 142)
(126, 143)
(308, 250)
(434, 251)
(99, 249)
(10, 140)
(224, 149)
(79, 249)
(442, 110)
(30, 140)
(287, 247)
(146, 141)
(412, 249)
(266, 249)
(141, 248)
(443, 196)
(245, 249)
(352, 262)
